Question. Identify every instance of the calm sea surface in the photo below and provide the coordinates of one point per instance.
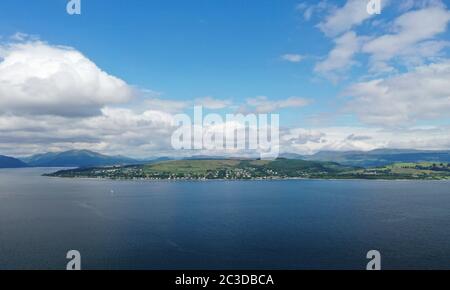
(293, 224)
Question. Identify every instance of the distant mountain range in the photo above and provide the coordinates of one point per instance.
(86, 158)
(10, 162)
(379, 157)
(77, 158)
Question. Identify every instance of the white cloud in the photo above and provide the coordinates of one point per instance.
(342, 19)
(177, 106)
(411, 41)
(406, 5)
(147, 134)
(411, 30)
(53, 98)
(115, 131)
(38, 78)
(426, 49)
(341, 57)
(292, 57)
(421, 94)
(309, 9)
(263, 105)
(309, 141)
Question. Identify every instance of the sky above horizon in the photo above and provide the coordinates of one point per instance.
(112, 78)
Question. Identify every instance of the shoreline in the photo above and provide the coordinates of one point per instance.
(242, 180)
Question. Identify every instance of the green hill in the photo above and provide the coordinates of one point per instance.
(241, 169)
(214, 169)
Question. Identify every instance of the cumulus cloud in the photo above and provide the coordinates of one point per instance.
(409, 40)
(115, 131)
(148, 134)
(310, 141)
(309, 9)
(53, 98)
(43, 79)
(340, 57)
(177, 106)
(411, 30)
(342, 19)
(421, 94)
(406, 5)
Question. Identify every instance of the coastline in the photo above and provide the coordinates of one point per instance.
(244, 180)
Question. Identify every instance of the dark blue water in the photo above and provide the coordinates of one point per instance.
(295, 224)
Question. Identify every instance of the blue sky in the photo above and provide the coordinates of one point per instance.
(186, 49)
(327, 53)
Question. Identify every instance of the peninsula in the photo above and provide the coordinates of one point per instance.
(248, 169)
